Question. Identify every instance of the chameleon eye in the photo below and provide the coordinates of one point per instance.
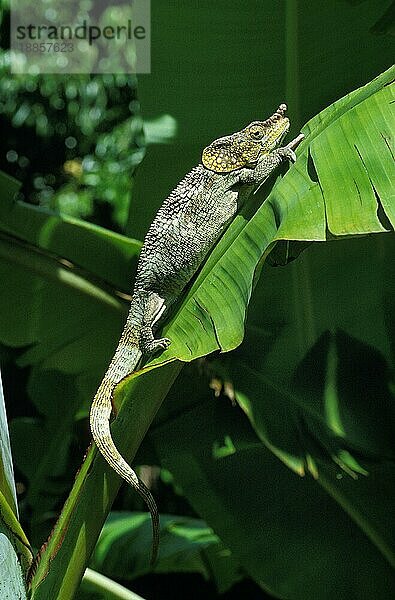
(256, 132)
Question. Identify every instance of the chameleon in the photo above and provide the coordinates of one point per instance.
(185, 228)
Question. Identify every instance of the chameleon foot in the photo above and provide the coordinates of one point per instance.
(152, 346)
(287, 154)
(159, 344)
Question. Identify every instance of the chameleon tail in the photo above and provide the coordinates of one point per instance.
(100, 426)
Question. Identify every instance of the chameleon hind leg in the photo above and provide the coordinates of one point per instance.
(154, 308)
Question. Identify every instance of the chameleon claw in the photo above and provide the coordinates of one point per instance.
(163, 343)
(295, 142)
(157, 345)
(288, 151)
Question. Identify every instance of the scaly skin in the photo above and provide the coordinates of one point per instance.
(184, 230)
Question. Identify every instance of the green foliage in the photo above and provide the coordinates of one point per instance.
(289, 532)
(248, 238)
(188, 546)
(73, 142)
(322, 403)
(296, 478)
(301, 206)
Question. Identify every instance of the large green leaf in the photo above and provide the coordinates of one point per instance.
(314, 377)
(320, 344)
(211, 315)
(296, 537)
(7, 483)
(11, 583)
(49, 438)
(104, 254)
(74, 536)
(52, 306)
(15, 551)
(33, 246)
(240, 62)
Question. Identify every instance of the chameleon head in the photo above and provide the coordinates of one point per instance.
(245, 147)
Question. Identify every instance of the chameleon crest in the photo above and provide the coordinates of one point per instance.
(243, 148)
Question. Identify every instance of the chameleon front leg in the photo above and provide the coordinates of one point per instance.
(269, 162)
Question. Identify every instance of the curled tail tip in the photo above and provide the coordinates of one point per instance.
(155, 542)
(154, 557)
(155, 539)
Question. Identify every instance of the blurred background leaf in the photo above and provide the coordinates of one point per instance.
(89, 133)
(188, 546)
(252, 500)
